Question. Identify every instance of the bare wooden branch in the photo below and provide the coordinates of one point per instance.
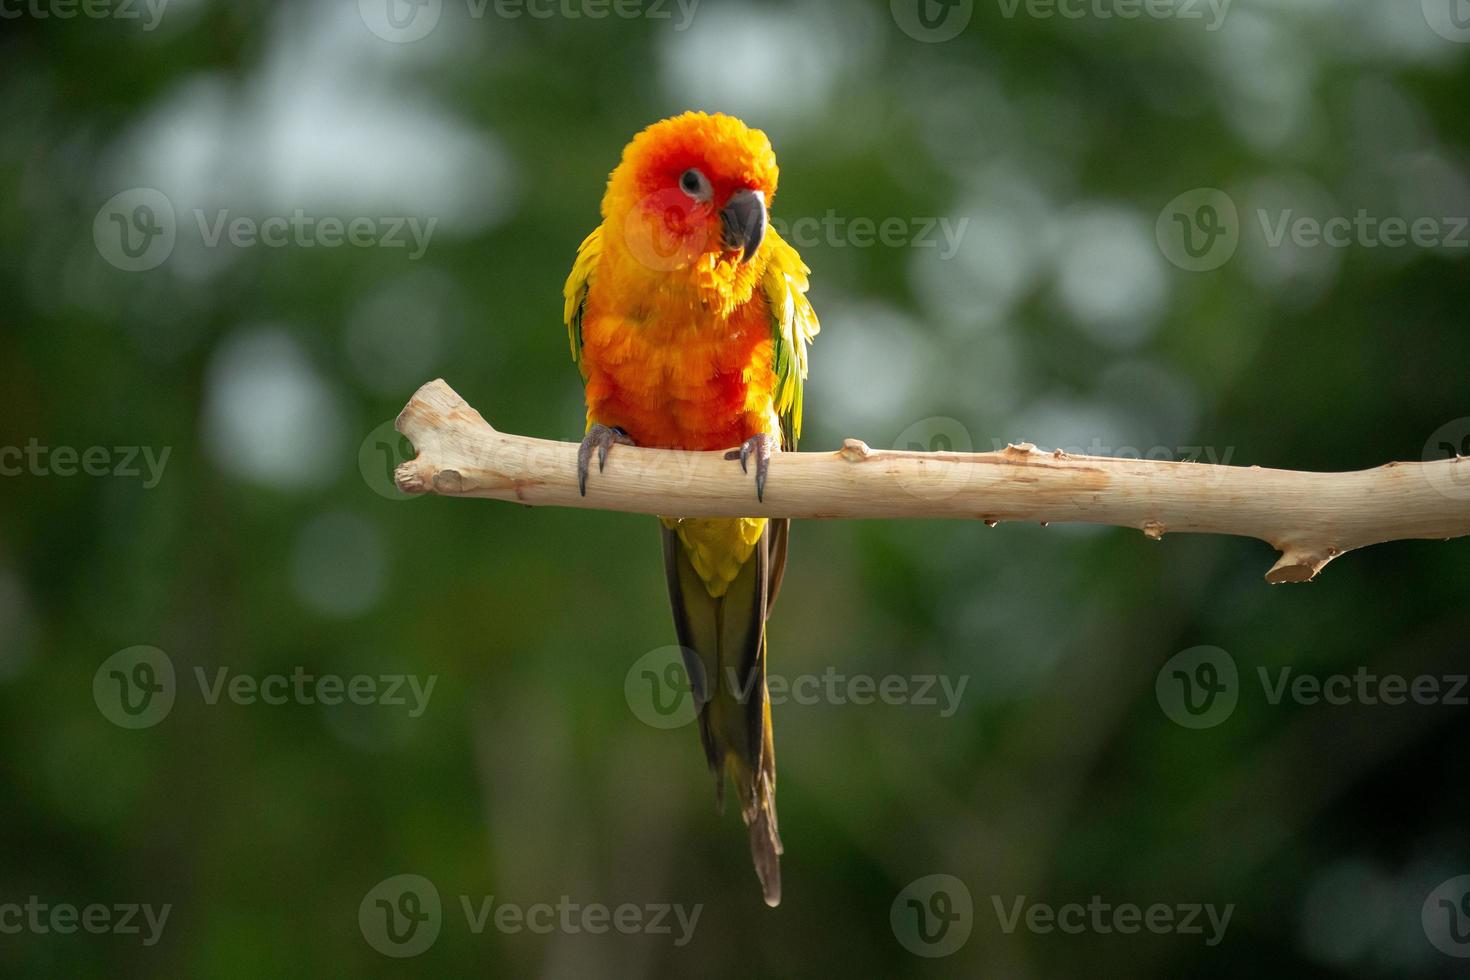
(1311, 518)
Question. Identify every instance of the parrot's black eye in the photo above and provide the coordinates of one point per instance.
(695, 184)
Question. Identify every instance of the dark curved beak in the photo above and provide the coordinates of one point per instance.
(743, 223)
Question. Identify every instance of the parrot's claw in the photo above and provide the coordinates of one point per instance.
(602, 438)
(760, 446)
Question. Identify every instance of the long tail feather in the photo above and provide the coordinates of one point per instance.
(724, 641)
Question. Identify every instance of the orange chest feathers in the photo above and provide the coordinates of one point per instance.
(681, 381)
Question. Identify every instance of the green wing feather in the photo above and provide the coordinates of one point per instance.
(793, 325)
(575, 291)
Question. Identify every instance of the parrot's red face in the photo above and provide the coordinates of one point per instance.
(693, 192)
(698, 203)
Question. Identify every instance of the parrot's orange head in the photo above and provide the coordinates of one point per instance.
(690, 199)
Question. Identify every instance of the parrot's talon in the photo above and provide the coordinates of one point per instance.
(602, 438)
(761, 446)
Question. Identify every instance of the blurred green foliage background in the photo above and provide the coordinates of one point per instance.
(271, 540)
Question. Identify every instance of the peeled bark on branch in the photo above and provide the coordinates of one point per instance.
(1311, 518)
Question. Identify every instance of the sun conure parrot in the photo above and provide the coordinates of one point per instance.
(689, 321)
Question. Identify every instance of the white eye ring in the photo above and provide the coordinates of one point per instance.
(695, 184)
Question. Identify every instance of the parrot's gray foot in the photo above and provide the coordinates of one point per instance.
(760, 446)
(602, 438)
